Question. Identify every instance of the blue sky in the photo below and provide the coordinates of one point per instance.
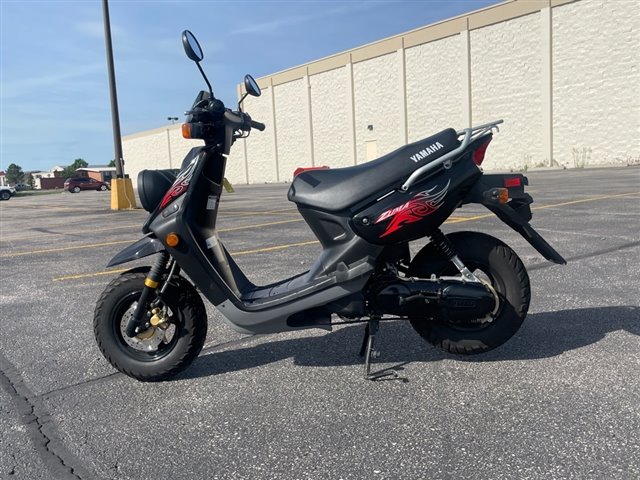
(53, 80)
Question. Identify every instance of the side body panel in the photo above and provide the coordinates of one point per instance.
(404, 216)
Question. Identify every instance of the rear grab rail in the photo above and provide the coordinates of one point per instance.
(469, 135)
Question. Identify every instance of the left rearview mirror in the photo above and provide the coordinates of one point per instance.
(191, 46)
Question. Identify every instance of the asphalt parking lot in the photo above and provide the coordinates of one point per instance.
(559, 400)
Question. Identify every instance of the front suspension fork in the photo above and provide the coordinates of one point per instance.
(138, 321)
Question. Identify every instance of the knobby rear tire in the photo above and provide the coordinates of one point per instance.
(507, 275)
(190, 331)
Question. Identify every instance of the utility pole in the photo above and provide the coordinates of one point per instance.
(115, 116)
(121, 188)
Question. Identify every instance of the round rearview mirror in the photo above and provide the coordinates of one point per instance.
(191, 46)
(252, 86)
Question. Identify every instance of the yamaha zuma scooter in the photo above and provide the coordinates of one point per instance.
(465, 292)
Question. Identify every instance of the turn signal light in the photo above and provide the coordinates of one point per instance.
(172, 239)
(502, 195)
(186, 130)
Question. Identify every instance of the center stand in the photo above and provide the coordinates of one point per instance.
(370, 331)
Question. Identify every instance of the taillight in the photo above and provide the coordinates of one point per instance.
(512, 182)
(478, 154)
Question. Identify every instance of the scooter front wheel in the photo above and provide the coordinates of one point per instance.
(165, 348)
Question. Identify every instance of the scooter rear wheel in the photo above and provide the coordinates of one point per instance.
(159, 352)
(493, 262)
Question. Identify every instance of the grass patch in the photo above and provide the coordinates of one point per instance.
(31, 193)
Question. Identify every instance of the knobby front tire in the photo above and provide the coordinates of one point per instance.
(153, 355)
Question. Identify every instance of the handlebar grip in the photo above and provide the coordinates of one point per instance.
(233, 119)
(258, 125)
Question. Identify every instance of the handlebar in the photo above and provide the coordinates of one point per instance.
(257, 125)
(240, 120)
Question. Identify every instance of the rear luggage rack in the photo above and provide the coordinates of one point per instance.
(469, 135)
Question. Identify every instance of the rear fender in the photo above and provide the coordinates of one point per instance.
(142, 248)
(516, 213)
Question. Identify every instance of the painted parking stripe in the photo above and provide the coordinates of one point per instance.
(119, 242)
(313, 242)
(584, 200)
(235, 254)
(91, 230)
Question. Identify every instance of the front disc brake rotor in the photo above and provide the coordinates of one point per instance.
(150, 339)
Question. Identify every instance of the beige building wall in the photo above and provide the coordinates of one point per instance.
(155, 149)
(332, 142)
(563, 74)
(434, 74)
(596, 82)
(262, 160)
(292, 127)
(377, 105)
(506, 83)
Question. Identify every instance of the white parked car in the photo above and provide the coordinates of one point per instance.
(6, 192)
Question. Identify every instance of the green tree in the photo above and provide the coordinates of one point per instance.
(14, 174)
(112, 163)
(70, 170)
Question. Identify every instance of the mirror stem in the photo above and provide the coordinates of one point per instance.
(242, 100)
(205, 79)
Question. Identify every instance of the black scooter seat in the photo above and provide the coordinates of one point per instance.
(339, 188)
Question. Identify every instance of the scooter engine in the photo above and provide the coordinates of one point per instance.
(447, 299)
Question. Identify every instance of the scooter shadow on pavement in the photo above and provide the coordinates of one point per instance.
(542, 335)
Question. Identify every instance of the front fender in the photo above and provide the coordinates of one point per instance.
(142, 248)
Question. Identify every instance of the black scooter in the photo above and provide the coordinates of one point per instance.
(465, 292)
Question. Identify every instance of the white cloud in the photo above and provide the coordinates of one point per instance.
(283, 22)
(95, 29)
(37, 85)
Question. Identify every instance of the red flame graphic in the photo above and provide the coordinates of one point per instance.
(422, 204)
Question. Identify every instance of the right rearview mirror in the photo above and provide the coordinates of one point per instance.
(251, 86)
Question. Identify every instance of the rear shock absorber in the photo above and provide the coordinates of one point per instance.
(446, 248)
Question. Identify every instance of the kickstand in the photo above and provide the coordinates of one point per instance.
(369, 353)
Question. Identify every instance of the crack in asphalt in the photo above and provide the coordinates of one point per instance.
(209, 349)
(42, 431)
(584, 256)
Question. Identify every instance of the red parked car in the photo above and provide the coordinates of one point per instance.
(76, 184)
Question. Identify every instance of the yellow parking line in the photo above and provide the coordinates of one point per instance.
(584, 200)
(279, 247)
(88, 275)
(63, 249)
(467, 219)
(92, 230)
(244, 213)
(246, 227)
(276, 247)
(94, 245)
(122, 227)
(241, 252)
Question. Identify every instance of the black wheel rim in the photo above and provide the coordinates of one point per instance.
(164, 349)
